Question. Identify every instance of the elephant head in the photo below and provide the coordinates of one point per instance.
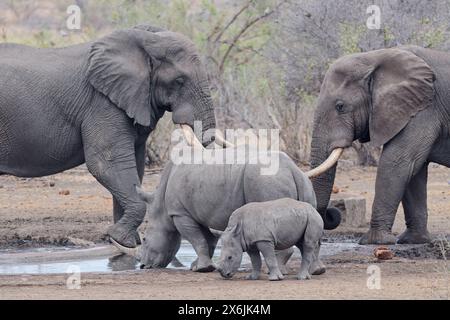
(146, 71)
(367, 96)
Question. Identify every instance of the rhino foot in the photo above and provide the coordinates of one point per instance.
(252, 276)
(197, 266)
(276, 275)
(304, 276)
(317, 268)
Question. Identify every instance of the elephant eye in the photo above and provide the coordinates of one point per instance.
(340, 108)
(179, 81)
(229, 257)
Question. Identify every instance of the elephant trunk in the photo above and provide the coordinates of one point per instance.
(204, 112)
(323, 183)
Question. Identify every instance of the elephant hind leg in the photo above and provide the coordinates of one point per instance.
(415, 207)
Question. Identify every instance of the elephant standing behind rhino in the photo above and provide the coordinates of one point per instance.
(191, 199)
(398, 98)
(97, 103)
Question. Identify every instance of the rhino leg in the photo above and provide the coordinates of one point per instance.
(307, 248)
(283, 257)
(192, 232)
(317, 266)
(211, 239)
(268, 251)
(255, 258)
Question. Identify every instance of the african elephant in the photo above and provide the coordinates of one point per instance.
(398, 98)
(192, 199)
(97, 103)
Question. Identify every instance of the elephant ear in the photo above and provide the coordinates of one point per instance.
(120, 68)
(402, 84)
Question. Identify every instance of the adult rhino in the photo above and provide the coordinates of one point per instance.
(191, 199)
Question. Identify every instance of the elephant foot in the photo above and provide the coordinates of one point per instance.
(414, 237)
(378, 237)
(317, 268)
(123, 235)
(207, 266)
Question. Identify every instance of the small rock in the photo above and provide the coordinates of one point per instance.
(383, 253)
(335, 189)
(51, 184)
(64, 192)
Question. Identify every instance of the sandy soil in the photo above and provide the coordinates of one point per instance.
(72, 208)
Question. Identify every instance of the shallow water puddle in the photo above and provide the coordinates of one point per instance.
(107, 259)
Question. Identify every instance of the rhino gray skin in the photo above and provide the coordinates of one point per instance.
(266, 226)
(192, 198)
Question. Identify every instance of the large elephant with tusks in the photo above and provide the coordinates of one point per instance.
(97, 103)
(398, 98)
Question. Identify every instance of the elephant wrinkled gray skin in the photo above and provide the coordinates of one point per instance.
(266, 226)
(97, 103)
(191, 199)
(398, 98)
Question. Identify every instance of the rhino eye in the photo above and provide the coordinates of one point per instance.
(230, 257)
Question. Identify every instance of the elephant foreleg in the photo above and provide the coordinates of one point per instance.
(140, 165)
(399, 163)
(118, 211)
(415, 207)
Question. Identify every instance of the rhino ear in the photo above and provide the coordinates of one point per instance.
(237, 229)
(145, 196)
(402, 84)
(120, 67)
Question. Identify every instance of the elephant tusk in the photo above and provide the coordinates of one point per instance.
(129, 251)
(190, 136)
(327, 164)
(220, 140)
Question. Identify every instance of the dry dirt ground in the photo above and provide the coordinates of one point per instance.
(64, 208)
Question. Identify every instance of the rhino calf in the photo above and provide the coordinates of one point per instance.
(268, 226)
